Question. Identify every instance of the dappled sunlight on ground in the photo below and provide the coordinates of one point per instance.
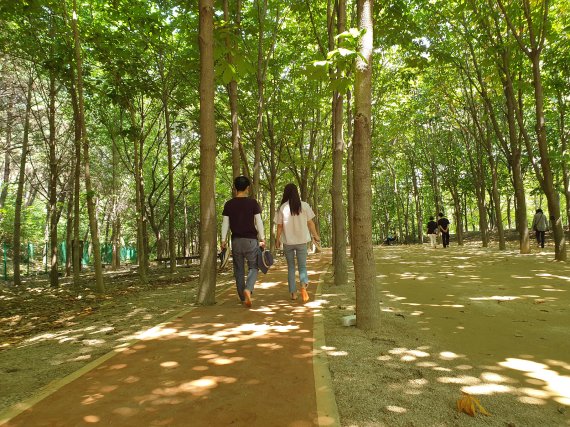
(488, 323)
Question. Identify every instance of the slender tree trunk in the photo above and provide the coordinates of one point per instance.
(76, 254)
(367, 301)
(516, 168)
(419, 215)
(69, 232)
(457, 214)
(171, 198)
(52, 190)
(260, 77)
(208, 245)
(566, 159)
(99, 285)
(349, 174)
(21, 179)
(550, 192)
(139, 200)
(338, 213)
(7, 159)
(233, 91)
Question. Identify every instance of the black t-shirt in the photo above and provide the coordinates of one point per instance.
(431, 227)
(443, 223)
(241, 211)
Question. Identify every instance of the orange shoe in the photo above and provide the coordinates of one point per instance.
(247, 296)
(304, 294)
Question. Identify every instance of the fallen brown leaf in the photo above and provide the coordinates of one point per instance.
(470, 405)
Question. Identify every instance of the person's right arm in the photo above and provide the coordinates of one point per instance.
(313, 231)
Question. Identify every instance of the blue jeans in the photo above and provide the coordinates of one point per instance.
(242, 250)
(301, 251)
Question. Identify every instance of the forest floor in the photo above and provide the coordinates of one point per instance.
(490, 323)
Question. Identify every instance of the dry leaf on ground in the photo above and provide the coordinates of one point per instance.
(470, 405)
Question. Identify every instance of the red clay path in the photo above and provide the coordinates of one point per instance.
(224, 365)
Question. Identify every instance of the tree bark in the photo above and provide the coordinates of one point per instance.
(21, 179)
(7, 159)
(533, 51)
(208, 245)
(367, 302)
(338, 213)
(171, 199)
(99, 284)
(52, 190)
(233, 92)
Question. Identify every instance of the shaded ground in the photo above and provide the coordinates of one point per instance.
(493, 324)
(46, 334)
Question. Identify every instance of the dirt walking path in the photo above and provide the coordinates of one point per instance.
(219, 365)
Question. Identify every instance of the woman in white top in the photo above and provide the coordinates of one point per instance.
(295, 227)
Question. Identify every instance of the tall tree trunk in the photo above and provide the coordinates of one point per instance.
(417, 200)
(21, 179)
(208, 245)
(139, 200)
(349, 173)
(76, 254)
(233, 91)
(69, 232)
(99, 285)
(260, 78)
(515, 158)
(7, 162)
(338, 214)
(171, 198)
(457, 214)
(550, 192)
(536, 42)
(52, 189)
(566, 159)
(367, 301)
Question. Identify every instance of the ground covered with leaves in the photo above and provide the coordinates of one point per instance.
(47, 333)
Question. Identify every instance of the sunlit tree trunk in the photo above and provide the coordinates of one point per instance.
(91, 208)
(233, 91)
(338, 213)
(21, 179)
(208, 245)
(7, 154)
(533, 50)
(367, 301)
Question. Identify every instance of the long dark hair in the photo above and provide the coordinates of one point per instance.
(291, 195)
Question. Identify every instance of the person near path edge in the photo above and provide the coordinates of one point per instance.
(443, 225)
(432, 232)
(539, 225)
(295, 227)
(242, 215)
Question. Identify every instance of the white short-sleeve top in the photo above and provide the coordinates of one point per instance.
(295, 229)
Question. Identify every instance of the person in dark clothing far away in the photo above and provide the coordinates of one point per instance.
(432, 232)
(540, 225)
(443, 225)
(242, 215)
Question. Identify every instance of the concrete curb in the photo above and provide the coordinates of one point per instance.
(327, 410)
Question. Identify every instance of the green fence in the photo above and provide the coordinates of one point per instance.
(35, 257)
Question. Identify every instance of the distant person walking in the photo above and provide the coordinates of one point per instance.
(432, 232)
(242, 215)
(540, 225)
(295, 227)
(443, 225)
